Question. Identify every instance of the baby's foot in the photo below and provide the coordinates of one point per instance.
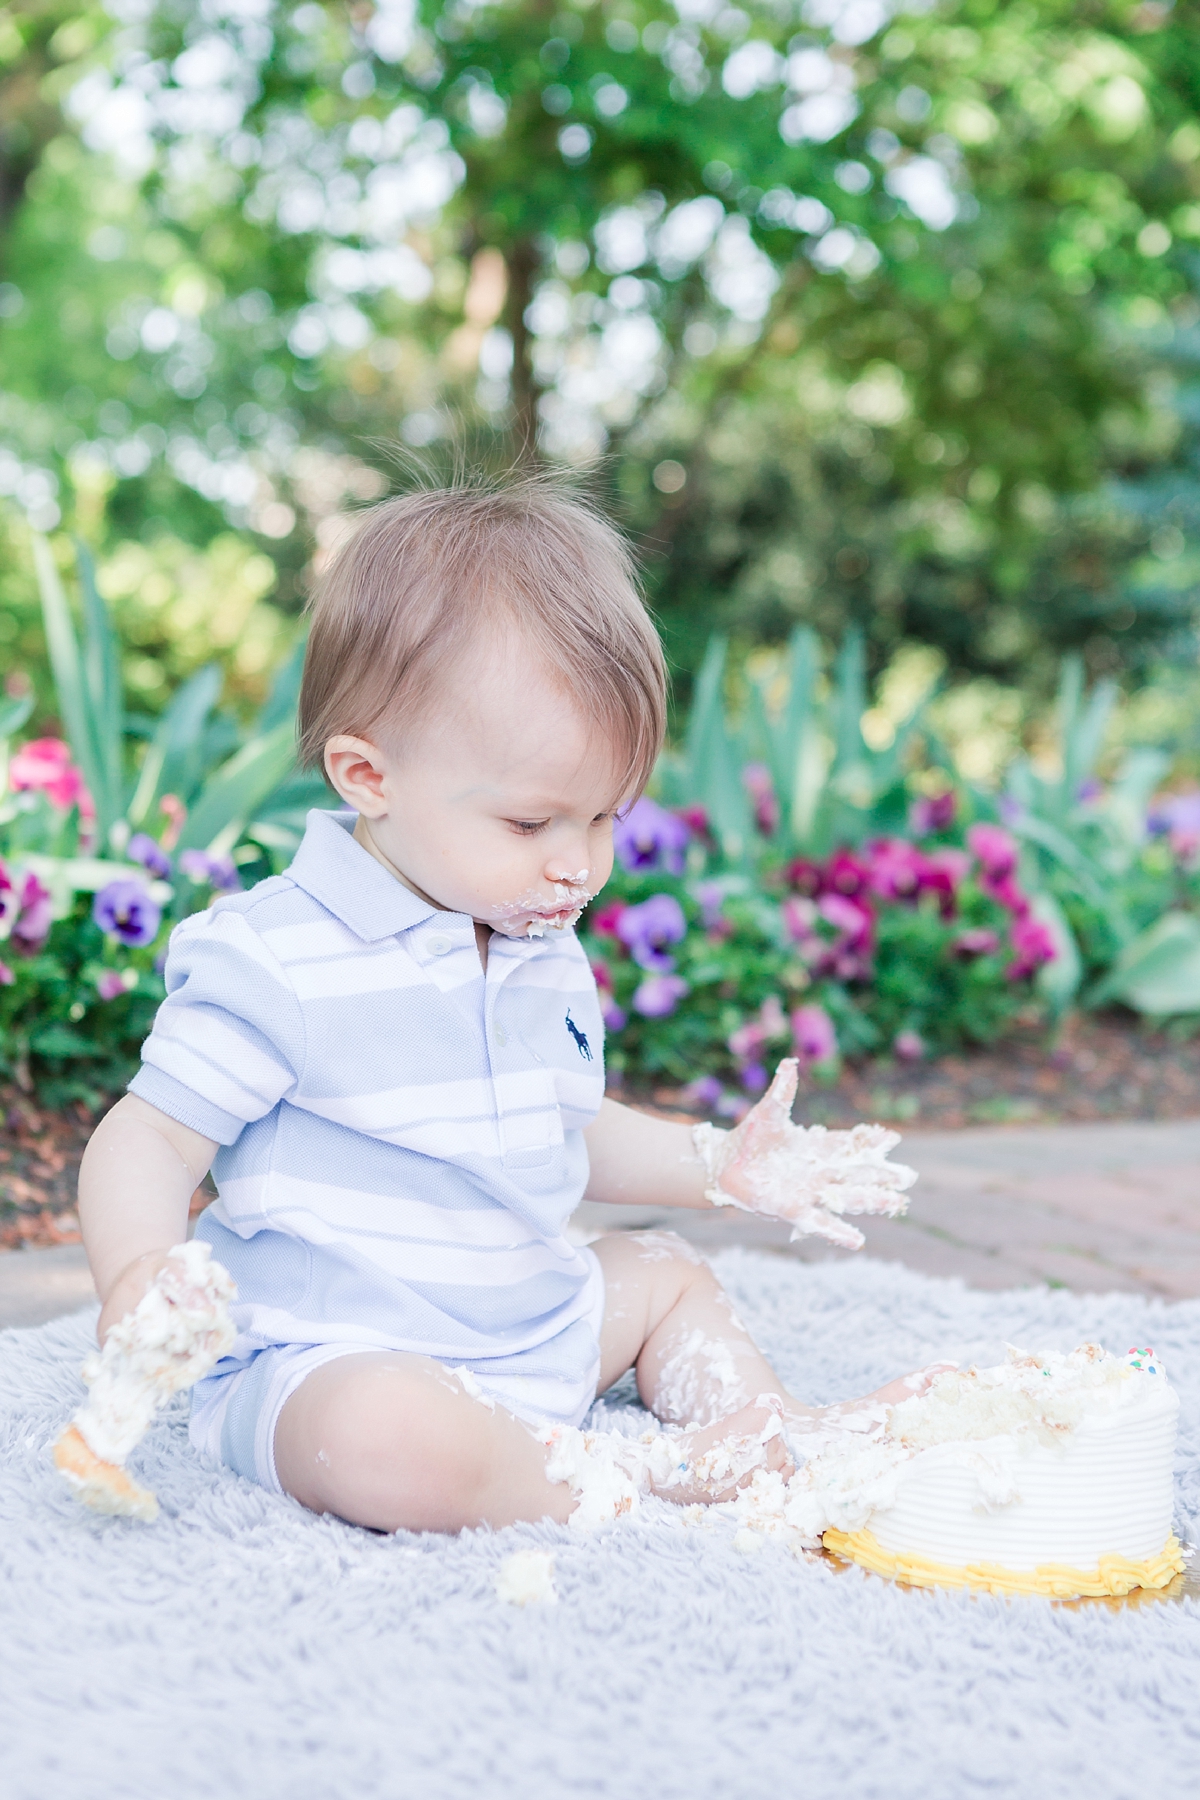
(716, 1460)
(867, 1412)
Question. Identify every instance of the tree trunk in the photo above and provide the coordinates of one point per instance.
(522, 267)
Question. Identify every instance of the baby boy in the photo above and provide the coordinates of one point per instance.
(391, 1056)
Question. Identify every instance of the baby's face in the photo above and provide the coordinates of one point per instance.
(500, 806)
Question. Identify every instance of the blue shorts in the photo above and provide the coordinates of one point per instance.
(234, 1414)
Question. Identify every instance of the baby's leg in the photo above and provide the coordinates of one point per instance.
(667, 1316)
(395, 1442)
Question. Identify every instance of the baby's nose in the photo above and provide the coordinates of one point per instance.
(572, 878)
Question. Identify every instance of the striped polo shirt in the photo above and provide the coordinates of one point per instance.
(402, 1136)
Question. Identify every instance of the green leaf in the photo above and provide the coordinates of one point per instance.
(235, 792)
(102, 683)
(1159, 972)
(170, 763)
(13, 714)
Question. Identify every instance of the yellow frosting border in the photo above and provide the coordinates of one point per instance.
(1116, 1575)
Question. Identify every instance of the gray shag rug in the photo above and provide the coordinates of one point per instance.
(241, 1647)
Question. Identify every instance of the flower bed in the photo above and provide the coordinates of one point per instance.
(907, 945)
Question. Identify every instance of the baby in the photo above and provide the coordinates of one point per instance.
(392, 1059)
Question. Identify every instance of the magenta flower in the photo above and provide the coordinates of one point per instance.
(846, 873)
(659, 995)
(1007, 894)
(1034, 946)
(649, 837)
(813, 1034)
(932, 814)
(909, 1046)
(976, 942)
(143, 849)
(646, 930)
(799, 919)
(804, 877)
(603, 922)
(6, 975)
(756, 779)
(109, 985)
(849, 956)
(125, 910)
(44, 766)
(747, 1040)
(34, 915)
(996, 850)
(943, 874)
(8, 894)
(896, 869)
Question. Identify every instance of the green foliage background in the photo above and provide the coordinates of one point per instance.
(254, 260)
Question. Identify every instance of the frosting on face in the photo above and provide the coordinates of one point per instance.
(532, 913)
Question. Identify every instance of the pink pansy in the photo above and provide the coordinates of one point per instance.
(804, 876)
(33, 915)
(1007, 894)
(604, 921)
(896, 868)
(800, 919)
(849, 956)
(845, 873)
(943, 875)
(1033, 945)
(6, 975)
(976, 942)
(909, 1046)
(813, 1034)
(44, 765)
(8, 894)
(109, 985)
(996, 850)
(756, 779)
(747, 1041)
(697, 820)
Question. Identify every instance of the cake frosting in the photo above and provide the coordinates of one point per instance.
(178, 1330)
(1048, 1473)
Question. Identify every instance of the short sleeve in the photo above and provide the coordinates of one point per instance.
(228, 1042)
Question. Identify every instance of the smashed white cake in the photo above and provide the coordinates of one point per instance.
(179, 1329)
(1047, 1474)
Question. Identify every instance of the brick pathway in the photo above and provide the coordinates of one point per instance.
(1088, 1207)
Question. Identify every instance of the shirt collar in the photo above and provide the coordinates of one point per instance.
(349, 882)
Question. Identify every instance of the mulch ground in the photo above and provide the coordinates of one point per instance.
(1099, 1067)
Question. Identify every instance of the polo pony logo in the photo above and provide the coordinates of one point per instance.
(585, 1049)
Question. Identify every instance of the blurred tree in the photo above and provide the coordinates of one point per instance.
(857, 306)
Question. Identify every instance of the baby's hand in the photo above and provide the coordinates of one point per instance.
(807, 1176)
(132, 1284)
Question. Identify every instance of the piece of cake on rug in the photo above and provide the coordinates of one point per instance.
(179, 1329)
(1046, 1475)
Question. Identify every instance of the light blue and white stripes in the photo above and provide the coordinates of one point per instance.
(402, 1137)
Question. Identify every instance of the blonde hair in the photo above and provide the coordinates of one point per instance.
(426, 575)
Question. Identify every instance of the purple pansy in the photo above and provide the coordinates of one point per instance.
(142, 849)
(34, 916)
(649, 837)
(125, 910)
(207, 870)
(705, 1091)
(646, 930)
(932, 813)
(659, 995)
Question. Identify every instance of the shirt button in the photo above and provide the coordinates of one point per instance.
(501, 1036)
(438, 946)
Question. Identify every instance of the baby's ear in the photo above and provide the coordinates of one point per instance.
(357, 770)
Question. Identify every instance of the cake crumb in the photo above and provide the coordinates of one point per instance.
(526, 1578)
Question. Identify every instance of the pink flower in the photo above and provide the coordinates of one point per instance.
(44, 765)
(1007, 894)
(175, 812)
(943, 874)
(1034, 945)
(804, 876)
(697, 821)
(896, 869)
(909, 1045)
(799, 919)
(604, 921)
(33, 917)
(932, 814)
(747, 1040)
(109, 985)
(996, 850)
(813, 1034)
(976, 942)
(756, 779)
(6, 975)
(845, 873)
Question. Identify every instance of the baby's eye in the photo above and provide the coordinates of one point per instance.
(529, 827)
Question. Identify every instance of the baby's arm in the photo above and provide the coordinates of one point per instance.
(139, 1172)
(637, 1160)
